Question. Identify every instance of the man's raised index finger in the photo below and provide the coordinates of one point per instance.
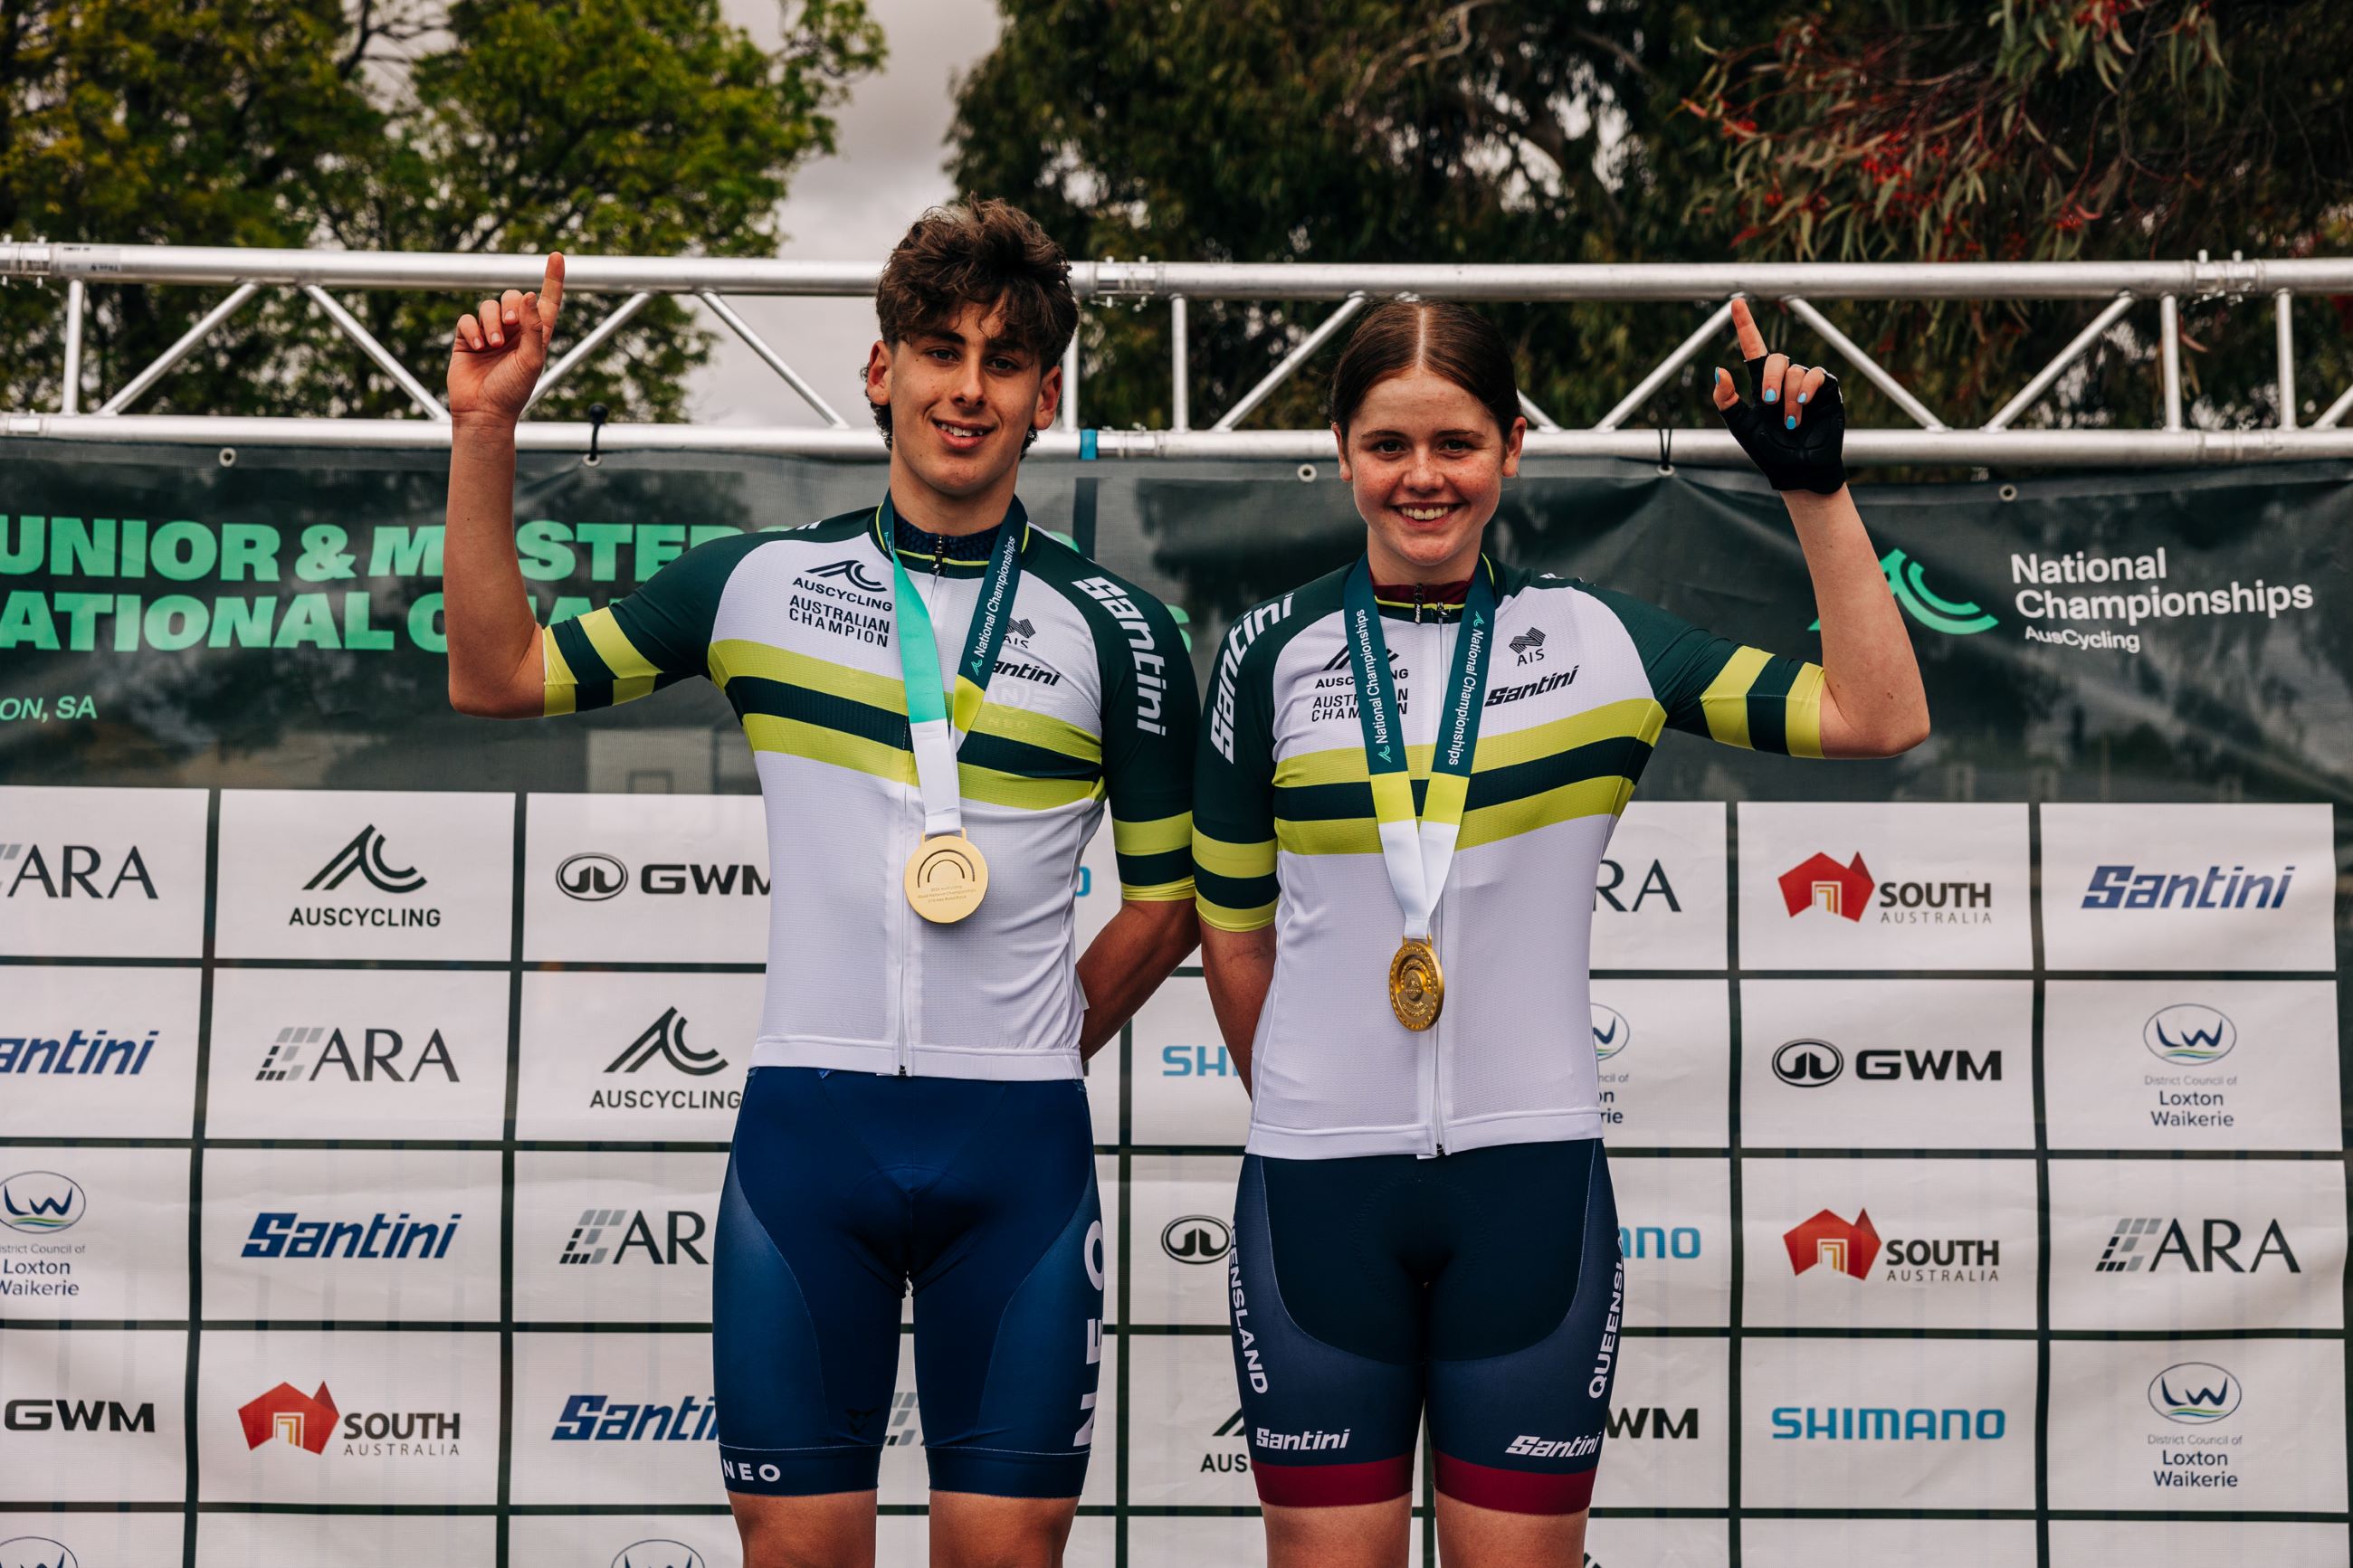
(551, 288)
(1744, 325)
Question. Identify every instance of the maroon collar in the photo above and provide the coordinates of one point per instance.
(1452, 592)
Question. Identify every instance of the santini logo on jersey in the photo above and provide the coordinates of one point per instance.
(1151, 685)
(1243, 632)
(1552, 683)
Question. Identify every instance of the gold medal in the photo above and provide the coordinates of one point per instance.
(946, 878)
(1417, 985)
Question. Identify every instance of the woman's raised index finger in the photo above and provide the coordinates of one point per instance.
(1744, 326)
(551, 288)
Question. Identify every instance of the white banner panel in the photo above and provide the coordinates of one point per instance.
(358, 1053)
(2198, 1426)
(344, 1541)
(366, 874)
(1187, 1090)
(362, 1235)
(627, 1540)
(1664, 1050)
(1913, 1543)
(1894, 1423)
(2180, 1246)
(1186, 1443)
(624, 1419)
(101, 873)
(1864, 885)
(94, 1233)
(1896, 1243)
(2191, 1064)
(1659, 898)
(2087, 1543)
(347, 1416)
(635, 1058)
(615, 1236)
(1887, 1064)
(1670, 1441)
(1618, 1543)
(1183, 1209)
(1674, 1231)
(2193, 887)
(645, 879)
(94, 1414)
(35, 1539)
(92, 1052)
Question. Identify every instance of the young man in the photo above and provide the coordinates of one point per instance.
(939, 699)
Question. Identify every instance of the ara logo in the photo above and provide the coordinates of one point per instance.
(853, 571)
(613, 1234)
(655, 1554)
(1609, 885)
(591, 877)
(1611, 1032)
(364, 854)
(41, 1201)
(2189, 1034)
(77, 873)
(1819, 882)
(666, 1038)
(2168, 1242)
(1954, 617)
(36, 1552)
(1197, 1238)
(2194, 1392)
(288, 1058)
(305, 1420)
(1529, 645)
(1830, 1240)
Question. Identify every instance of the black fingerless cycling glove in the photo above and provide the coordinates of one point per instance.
(1806, 459)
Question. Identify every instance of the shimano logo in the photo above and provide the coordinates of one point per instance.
(1552, 683)
(1243, 632)
(1151, 685)
(852, 572)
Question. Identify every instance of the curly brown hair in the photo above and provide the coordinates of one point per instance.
(987, 253)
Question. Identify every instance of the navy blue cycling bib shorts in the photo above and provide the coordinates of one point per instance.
(1485, 1286)
(845, 1189)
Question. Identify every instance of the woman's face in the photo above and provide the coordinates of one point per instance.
(1428, 466)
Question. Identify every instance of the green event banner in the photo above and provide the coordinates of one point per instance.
(166, 617)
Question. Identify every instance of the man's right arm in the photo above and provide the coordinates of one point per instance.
(495, 659)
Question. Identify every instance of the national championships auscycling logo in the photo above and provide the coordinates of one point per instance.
(1906, 581)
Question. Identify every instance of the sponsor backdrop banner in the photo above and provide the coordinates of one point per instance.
(367, 1071)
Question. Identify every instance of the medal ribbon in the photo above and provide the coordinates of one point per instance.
(1419, 854)
(936, 740)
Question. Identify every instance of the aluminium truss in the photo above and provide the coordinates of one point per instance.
(2123, 288)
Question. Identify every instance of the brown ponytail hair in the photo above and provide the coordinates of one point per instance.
(1437, 336)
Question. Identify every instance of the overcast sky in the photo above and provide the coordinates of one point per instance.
(851, 206)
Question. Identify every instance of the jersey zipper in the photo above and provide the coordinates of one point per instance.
(908, 934)
(1428, 655)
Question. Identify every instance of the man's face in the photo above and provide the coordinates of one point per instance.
(963, 399)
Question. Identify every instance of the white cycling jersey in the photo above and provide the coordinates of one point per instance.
(1091, 700)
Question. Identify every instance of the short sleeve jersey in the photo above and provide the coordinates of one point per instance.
(1092, 702)
(1583, 682)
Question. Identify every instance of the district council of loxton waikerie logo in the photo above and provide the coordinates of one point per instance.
(659, 1554)
(2190, 1035)
(2195, 1393)
(1847, 1249)
(1611, 1032)
(36, 1552)
(40, 1203)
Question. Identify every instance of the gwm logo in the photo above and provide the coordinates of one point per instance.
(1808, 1063)
(1827, 1239)
(364, 854)
(1610, 1032)
(306, 1421)
(2194, 1392)
(1819, 882)
(591, 877)
(661, 1554)
(41, 1201)
(1197, 1238)
(2188, 1035)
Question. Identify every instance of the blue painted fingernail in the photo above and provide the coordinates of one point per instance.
(1791, 422)
(1802, 397)
(1772, 395)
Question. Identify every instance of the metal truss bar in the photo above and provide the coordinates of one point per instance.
(1537, 416)
(1180, 366)
(758, 345)
(1068, 419)
(376, 351)
(2168, 336)
(1864, 449)
(1291, 362)
(138, 384)
(77, 295)
(461, 273)
(2335, 411)
(1667, 367)
(2074, 351)
(1862, 362)
(596, 339)
(2286, 361)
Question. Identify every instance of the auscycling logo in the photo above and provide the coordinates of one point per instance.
(1954, 617)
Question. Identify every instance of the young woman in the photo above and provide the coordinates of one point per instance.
(1396, 842)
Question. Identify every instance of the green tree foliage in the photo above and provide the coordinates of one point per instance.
(1522, 131)
(646, 127)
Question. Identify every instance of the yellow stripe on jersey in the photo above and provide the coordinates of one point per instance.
(559, 687)
(1638, 717)
(762, 661)
(1585, 797)
(619, 654)
(879, 758)
(1157, 836)
(1805, 722)
(1237, 862)
(1157, 892)
(1217, 914)
(1725, 700)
